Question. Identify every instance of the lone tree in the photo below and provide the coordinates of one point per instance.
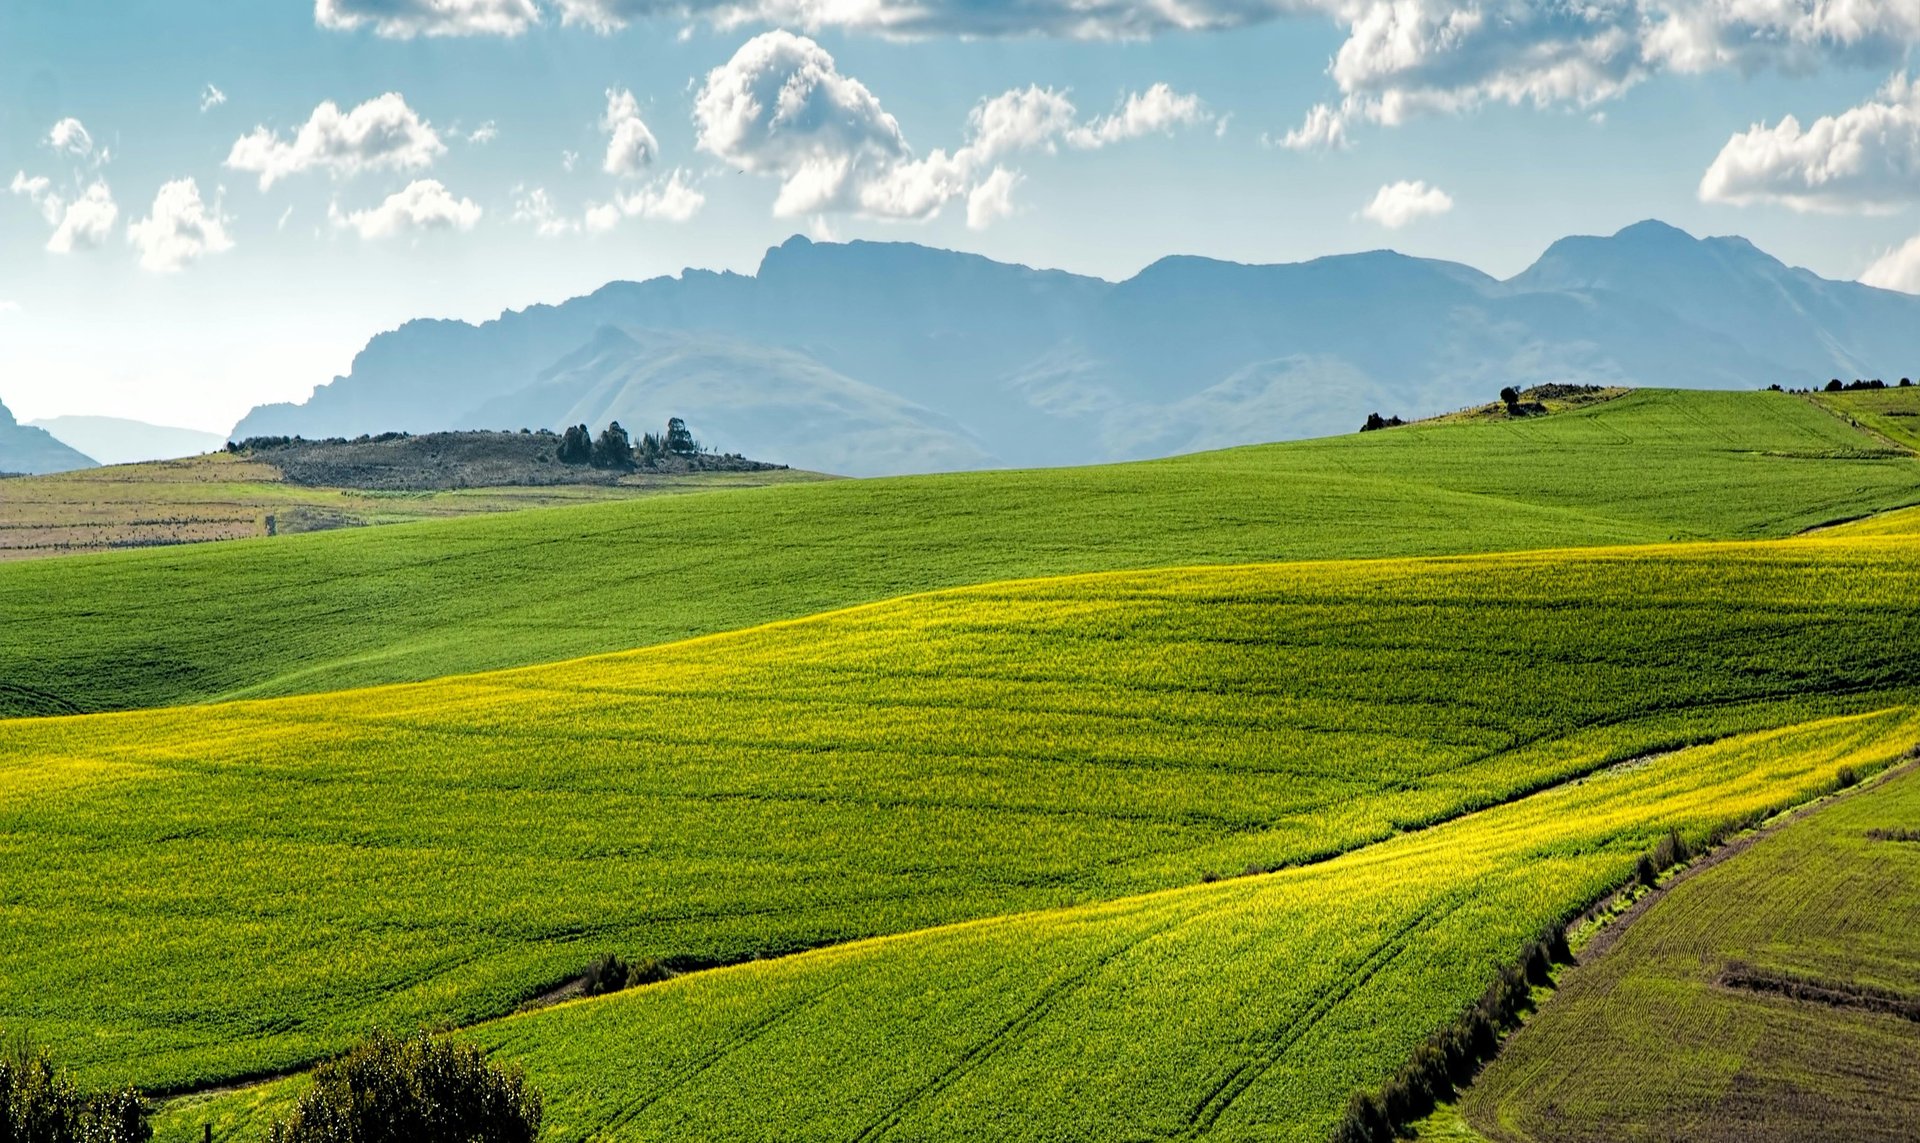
(613, 449)
(576, 446)
(1510, 397)
(413, 1090)
(680, 442)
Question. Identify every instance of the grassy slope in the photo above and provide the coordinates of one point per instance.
(1642, 1046)
(311, 613)
(1893, 413)
(300, 867)
(220, 496)
(1246, 1009)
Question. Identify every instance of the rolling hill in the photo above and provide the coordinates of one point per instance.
(417, 601)
(1240, 1010)
(302, 868)
(869, 358)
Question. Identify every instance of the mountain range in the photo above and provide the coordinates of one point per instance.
(25, 449)
(117, 440)
(867, 358)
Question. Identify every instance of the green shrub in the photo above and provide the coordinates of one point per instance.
(416, 1089)
(38, 1104)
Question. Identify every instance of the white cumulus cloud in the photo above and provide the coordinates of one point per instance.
(83, 222)
(1897, 269)
(405, 19)
(1397, 204)
(70, 137)
(631, 147)
(992, 199)
(181, 230)
(670, 200)
(1155, 111)
(1865, 159)
(423, 205)
(380, 134)
(86, 222)
(781, 108)
(1323, 129)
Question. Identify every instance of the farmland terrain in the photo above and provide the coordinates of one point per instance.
(1773, 996)
(368, 606)
(303, 867)
(223, 496)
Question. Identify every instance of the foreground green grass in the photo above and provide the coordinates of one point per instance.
(312, 613)
(1645, 1044)
(298, 869)
(1246, 1009)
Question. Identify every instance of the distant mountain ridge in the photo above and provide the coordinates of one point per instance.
(117, 440)
(867, 358)
(28, 450)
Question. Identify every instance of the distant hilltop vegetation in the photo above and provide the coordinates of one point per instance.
(869, 358)
(432, 462)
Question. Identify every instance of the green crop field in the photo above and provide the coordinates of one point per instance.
(1246, 1009)
(1653, 1042)
(302, 614)
(299, 868)
(1893, 413)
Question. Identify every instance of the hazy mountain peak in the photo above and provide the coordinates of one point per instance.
(24, 448)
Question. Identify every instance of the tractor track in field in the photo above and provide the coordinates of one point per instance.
(1203, 1116)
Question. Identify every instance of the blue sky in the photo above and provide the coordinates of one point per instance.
(1119, 131)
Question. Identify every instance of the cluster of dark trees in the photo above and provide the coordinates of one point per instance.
(413, 1089)
(613, 448)
(1838, 386)
(1834, 386)
(1376, 421)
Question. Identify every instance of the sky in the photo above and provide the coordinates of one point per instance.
(211, 204)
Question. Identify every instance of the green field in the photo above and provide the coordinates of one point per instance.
(1893, 413)
(301, 614)
(300, 868)
(1246, 1009)
(1647, 1043)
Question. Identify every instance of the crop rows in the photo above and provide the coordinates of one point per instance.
(195, 893)
(1244, 1009)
